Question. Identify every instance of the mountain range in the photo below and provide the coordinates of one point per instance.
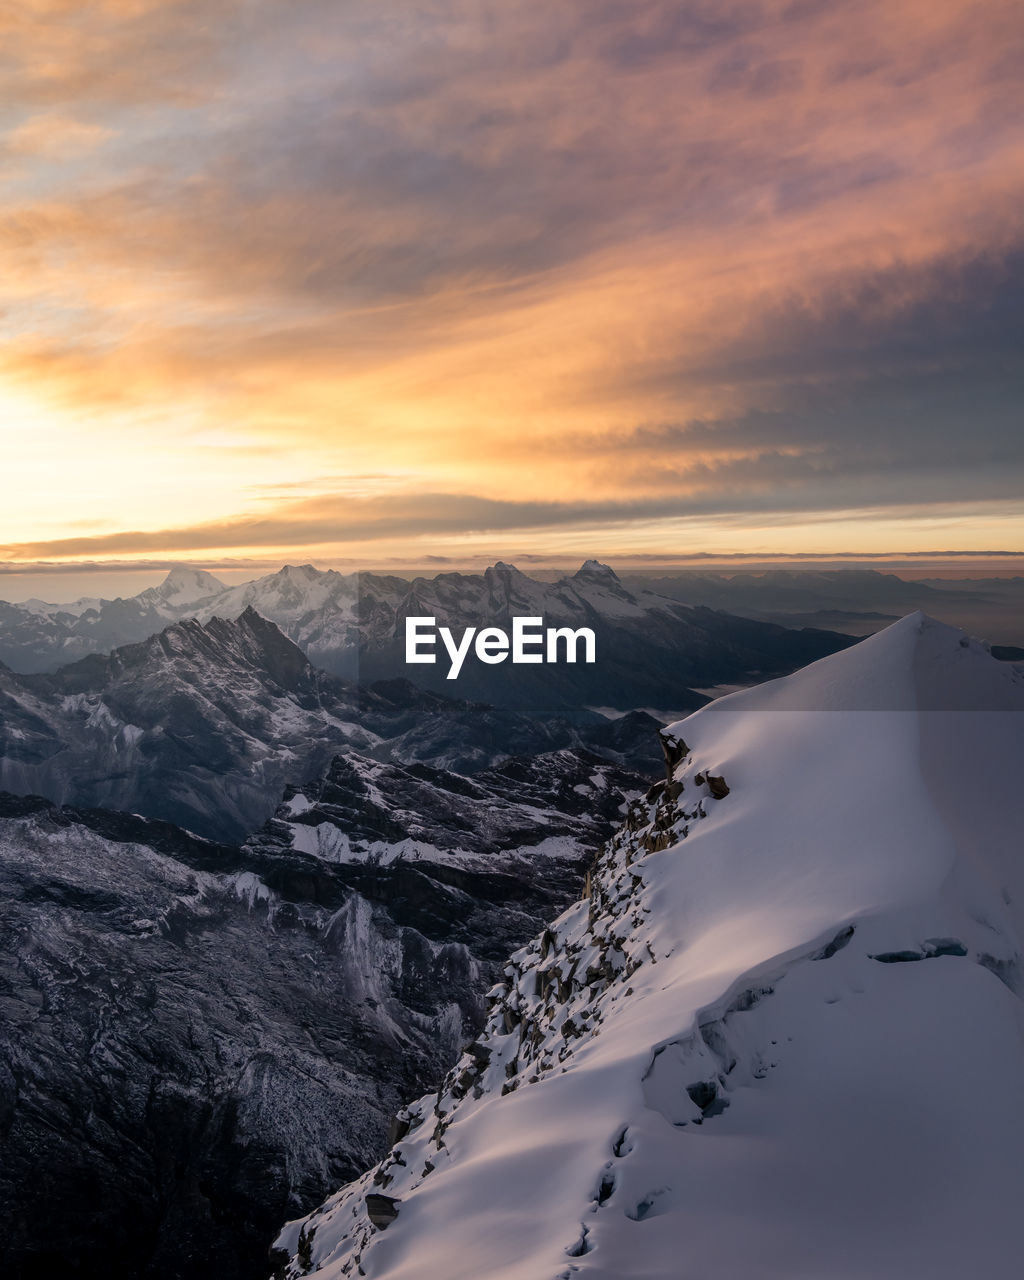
(782, 1033)
(199, 1040)
(251, 910)
(653, 651)
(204, 725)
(856, 601)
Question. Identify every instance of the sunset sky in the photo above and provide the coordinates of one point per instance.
(364, 281)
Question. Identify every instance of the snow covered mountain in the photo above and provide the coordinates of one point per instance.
(36, 636)
(183, 587)
(198, 1041)
(199, 725)
(204, 725)
(782, 1035)
(653, 651)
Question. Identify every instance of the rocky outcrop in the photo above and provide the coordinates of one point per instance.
(381, 1210)
(369, 811)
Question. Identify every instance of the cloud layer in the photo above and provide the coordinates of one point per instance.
(625, 266)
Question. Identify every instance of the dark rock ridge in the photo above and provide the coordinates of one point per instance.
(549, 998)
(204, 724)
(652, 650)
(199, 1041)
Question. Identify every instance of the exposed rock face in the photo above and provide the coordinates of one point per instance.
(192, 726)
(186, 1053)
(674, 749)
(652, 650)
(204, 724)
(554, 805)
(381, 1210)
(199, 1041)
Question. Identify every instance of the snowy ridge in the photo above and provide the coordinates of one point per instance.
(291, 597)
(781, 1036)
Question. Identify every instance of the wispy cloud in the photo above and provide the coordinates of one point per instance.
(416, 521)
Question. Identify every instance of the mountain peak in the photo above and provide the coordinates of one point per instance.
(915, 664)
(299, 572)
(596, 569)
(265, 645)
(186, 584)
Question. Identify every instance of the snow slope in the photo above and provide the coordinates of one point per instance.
(781, 1039)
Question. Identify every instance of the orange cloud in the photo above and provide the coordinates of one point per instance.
(54, 137)
(609, 253)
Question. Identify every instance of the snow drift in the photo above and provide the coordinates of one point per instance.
(781, 1036)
